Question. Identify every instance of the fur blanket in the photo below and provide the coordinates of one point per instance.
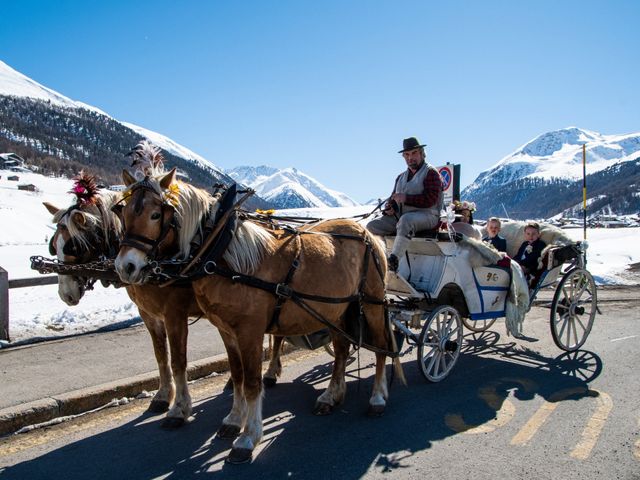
(481, 254)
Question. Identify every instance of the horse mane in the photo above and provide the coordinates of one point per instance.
(96, 215)
(249, 242)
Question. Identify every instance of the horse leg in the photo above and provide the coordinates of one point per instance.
(234, 421)
(380, 393)
(335, 392)
(166, 389)
(251, 352)
(274, 370)
(177, 328)
(383, 339)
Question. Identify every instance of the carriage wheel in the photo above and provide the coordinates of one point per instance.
(573, 309)
(478, 325)
(440, 343)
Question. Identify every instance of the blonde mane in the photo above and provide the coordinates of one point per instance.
(249, 242)
(95, 216)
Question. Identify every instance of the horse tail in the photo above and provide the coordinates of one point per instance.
(380, 261)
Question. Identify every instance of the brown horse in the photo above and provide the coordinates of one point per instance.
(89, 230)
(334, 259)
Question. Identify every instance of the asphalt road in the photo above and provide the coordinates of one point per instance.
(517, 409)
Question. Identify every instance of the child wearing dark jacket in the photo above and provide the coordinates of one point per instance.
(493, 235)
(530, 250)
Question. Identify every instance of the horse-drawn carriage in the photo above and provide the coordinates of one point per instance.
(437, 291)
(255, 274)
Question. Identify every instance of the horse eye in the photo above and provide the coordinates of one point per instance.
(155, 216)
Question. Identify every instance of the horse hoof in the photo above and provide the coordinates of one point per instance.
(158, 406)
(229, 385)
(239, 455)
(375, 410)
(322, 409)
(269, 382)
(228, 431)
(171, 423)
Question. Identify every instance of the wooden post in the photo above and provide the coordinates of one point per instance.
(4, 304)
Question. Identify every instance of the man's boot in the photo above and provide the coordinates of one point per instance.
(392, 263)
(400, 245)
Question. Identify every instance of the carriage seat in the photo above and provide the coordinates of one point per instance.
(438, 233)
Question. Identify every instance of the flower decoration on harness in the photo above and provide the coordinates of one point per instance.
(459, 206)
(85, 189)
(172, 195)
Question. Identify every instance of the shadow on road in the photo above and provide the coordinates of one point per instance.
(346, 444)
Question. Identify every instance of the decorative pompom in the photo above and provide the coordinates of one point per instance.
(85, 188)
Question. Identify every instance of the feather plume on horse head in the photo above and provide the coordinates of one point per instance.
(85, 189)
(147, 159)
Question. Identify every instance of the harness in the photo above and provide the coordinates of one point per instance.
(140, 242)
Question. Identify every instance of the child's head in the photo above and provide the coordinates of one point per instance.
(493, 226)
(531, 232)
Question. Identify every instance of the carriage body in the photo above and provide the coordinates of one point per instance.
(436, 291)
(436, 270)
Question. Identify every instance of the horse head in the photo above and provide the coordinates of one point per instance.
(85, 232)
(151, 223)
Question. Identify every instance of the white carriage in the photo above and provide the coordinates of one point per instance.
(436, 292)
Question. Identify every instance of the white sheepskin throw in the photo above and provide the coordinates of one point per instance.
(481, 254)
(513, 233)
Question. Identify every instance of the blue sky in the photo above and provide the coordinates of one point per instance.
(332, 87)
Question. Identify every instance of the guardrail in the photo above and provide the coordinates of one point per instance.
(6, 284)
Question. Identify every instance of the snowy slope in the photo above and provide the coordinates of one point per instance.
(289, 187)
(16, 84)
(558, 154)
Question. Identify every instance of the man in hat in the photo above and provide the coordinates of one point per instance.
(414, 205)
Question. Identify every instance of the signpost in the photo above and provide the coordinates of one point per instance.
(450, 174)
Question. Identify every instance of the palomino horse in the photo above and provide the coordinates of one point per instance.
(337, 259)
(89, 230)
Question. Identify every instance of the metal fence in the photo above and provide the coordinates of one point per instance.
(6, 284)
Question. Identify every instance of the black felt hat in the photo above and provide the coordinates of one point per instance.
(410, 144)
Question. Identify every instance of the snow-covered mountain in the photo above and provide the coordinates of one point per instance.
(558, 154)
(543, 177)
(15, 84)
(289, 187)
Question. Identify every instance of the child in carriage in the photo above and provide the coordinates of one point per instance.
(493, 235)
(530, 251)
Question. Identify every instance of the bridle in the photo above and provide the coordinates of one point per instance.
(145, 244)
(72, 248)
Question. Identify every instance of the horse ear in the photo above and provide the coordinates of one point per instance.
(128, 178)
(168, 179)
(51, 208)
(78, 218)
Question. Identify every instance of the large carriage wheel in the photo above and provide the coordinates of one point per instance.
(478, 325)
(440, 343)
(573, 309)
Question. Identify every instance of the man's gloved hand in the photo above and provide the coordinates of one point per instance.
(390, 208)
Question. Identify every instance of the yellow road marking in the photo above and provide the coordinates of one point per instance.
(36, 438)
(537, 420)
(594, 427)
(505, 410)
